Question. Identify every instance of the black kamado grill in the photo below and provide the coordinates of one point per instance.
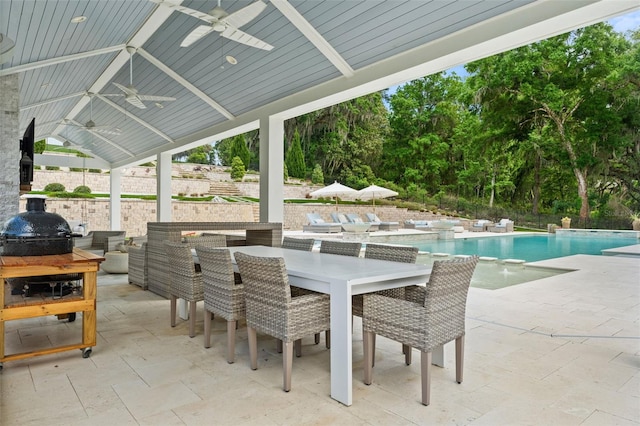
(39, 233)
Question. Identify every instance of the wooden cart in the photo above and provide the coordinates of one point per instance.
(18, 307)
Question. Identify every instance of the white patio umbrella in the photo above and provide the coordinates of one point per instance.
(334, 190)
(372, 192)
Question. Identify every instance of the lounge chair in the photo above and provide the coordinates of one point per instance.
(505, 225)
(354, 218)
(347, 225)
(317, 224)
(383, 226)
(423, 225)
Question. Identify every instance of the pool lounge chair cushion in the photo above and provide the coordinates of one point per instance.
(383, 226)
(317, 224)
(354, 218)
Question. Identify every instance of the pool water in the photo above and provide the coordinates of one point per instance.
(530, 248)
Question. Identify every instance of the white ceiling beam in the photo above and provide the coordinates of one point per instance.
(60, 60)
(99, 136)
(313, 36)
(130, 115)
(52, 100)
(184, 82)
(155, 21)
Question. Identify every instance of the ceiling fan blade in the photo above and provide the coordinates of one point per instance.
(125, 89)
(246, 14)
(135, 101)
(153, 98)
(244, 38)
(106, 130)
(188, 11)
(196, 35)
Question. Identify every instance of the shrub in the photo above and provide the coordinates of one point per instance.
(54, 187)
(82, 189)
(237, 169)
(52, 168)
(95, 170)
(317, 176)
(75, 169)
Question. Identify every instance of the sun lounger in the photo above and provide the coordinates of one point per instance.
(383, 226)
(423, 225)
(317, 224)
(354, 218)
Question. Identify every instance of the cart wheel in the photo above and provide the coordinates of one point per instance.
(86, 352)
(72, 316)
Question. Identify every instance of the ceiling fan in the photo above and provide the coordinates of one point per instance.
(90, 125)
(222, 22)
(131, 94)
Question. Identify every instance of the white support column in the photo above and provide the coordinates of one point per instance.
(163, 190)
(271, 169)
(115, 182)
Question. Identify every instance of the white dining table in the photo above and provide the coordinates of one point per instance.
(341, 277)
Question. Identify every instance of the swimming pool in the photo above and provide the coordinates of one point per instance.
(530, 248)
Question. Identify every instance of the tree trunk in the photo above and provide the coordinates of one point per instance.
(536, 185)
(581, 176)
(493, 188)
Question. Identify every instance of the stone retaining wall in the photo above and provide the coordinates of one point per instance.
(142, 180)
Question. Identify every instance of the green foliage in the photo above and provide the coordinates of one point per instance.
(285, 172)
(40, 146)
(75, 169)
(70, 195)
(199, 155)
(198, 158)
(317, 176)
(95, 170)
(82, 189)
(148, 164)
(294, 159)
(52, 168)
(237, 169)
(54, 187)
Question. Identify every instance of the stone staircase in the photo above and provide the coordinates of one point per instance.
(226, 189)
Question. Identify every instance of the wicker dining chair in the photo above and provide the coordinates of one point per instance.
(340, 247)
(209, 240)
(223, 294)
(272, 310)
(304, 244)
(185, 281)
(428, 317)
(404, 254)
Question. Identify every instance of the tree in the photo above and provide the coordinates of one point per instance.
(295, 159)
(239, 149)
(562, 88)
(237, 169)
(317, 176)
(199, 155)
(424, 116)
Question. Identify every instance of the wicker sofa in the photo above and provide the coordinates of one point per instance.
(100, 242)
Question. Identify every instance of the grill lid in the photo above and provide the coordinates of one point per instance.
(35, 232)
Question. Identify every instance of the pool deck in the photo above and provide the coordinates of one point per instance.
(563, 350)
